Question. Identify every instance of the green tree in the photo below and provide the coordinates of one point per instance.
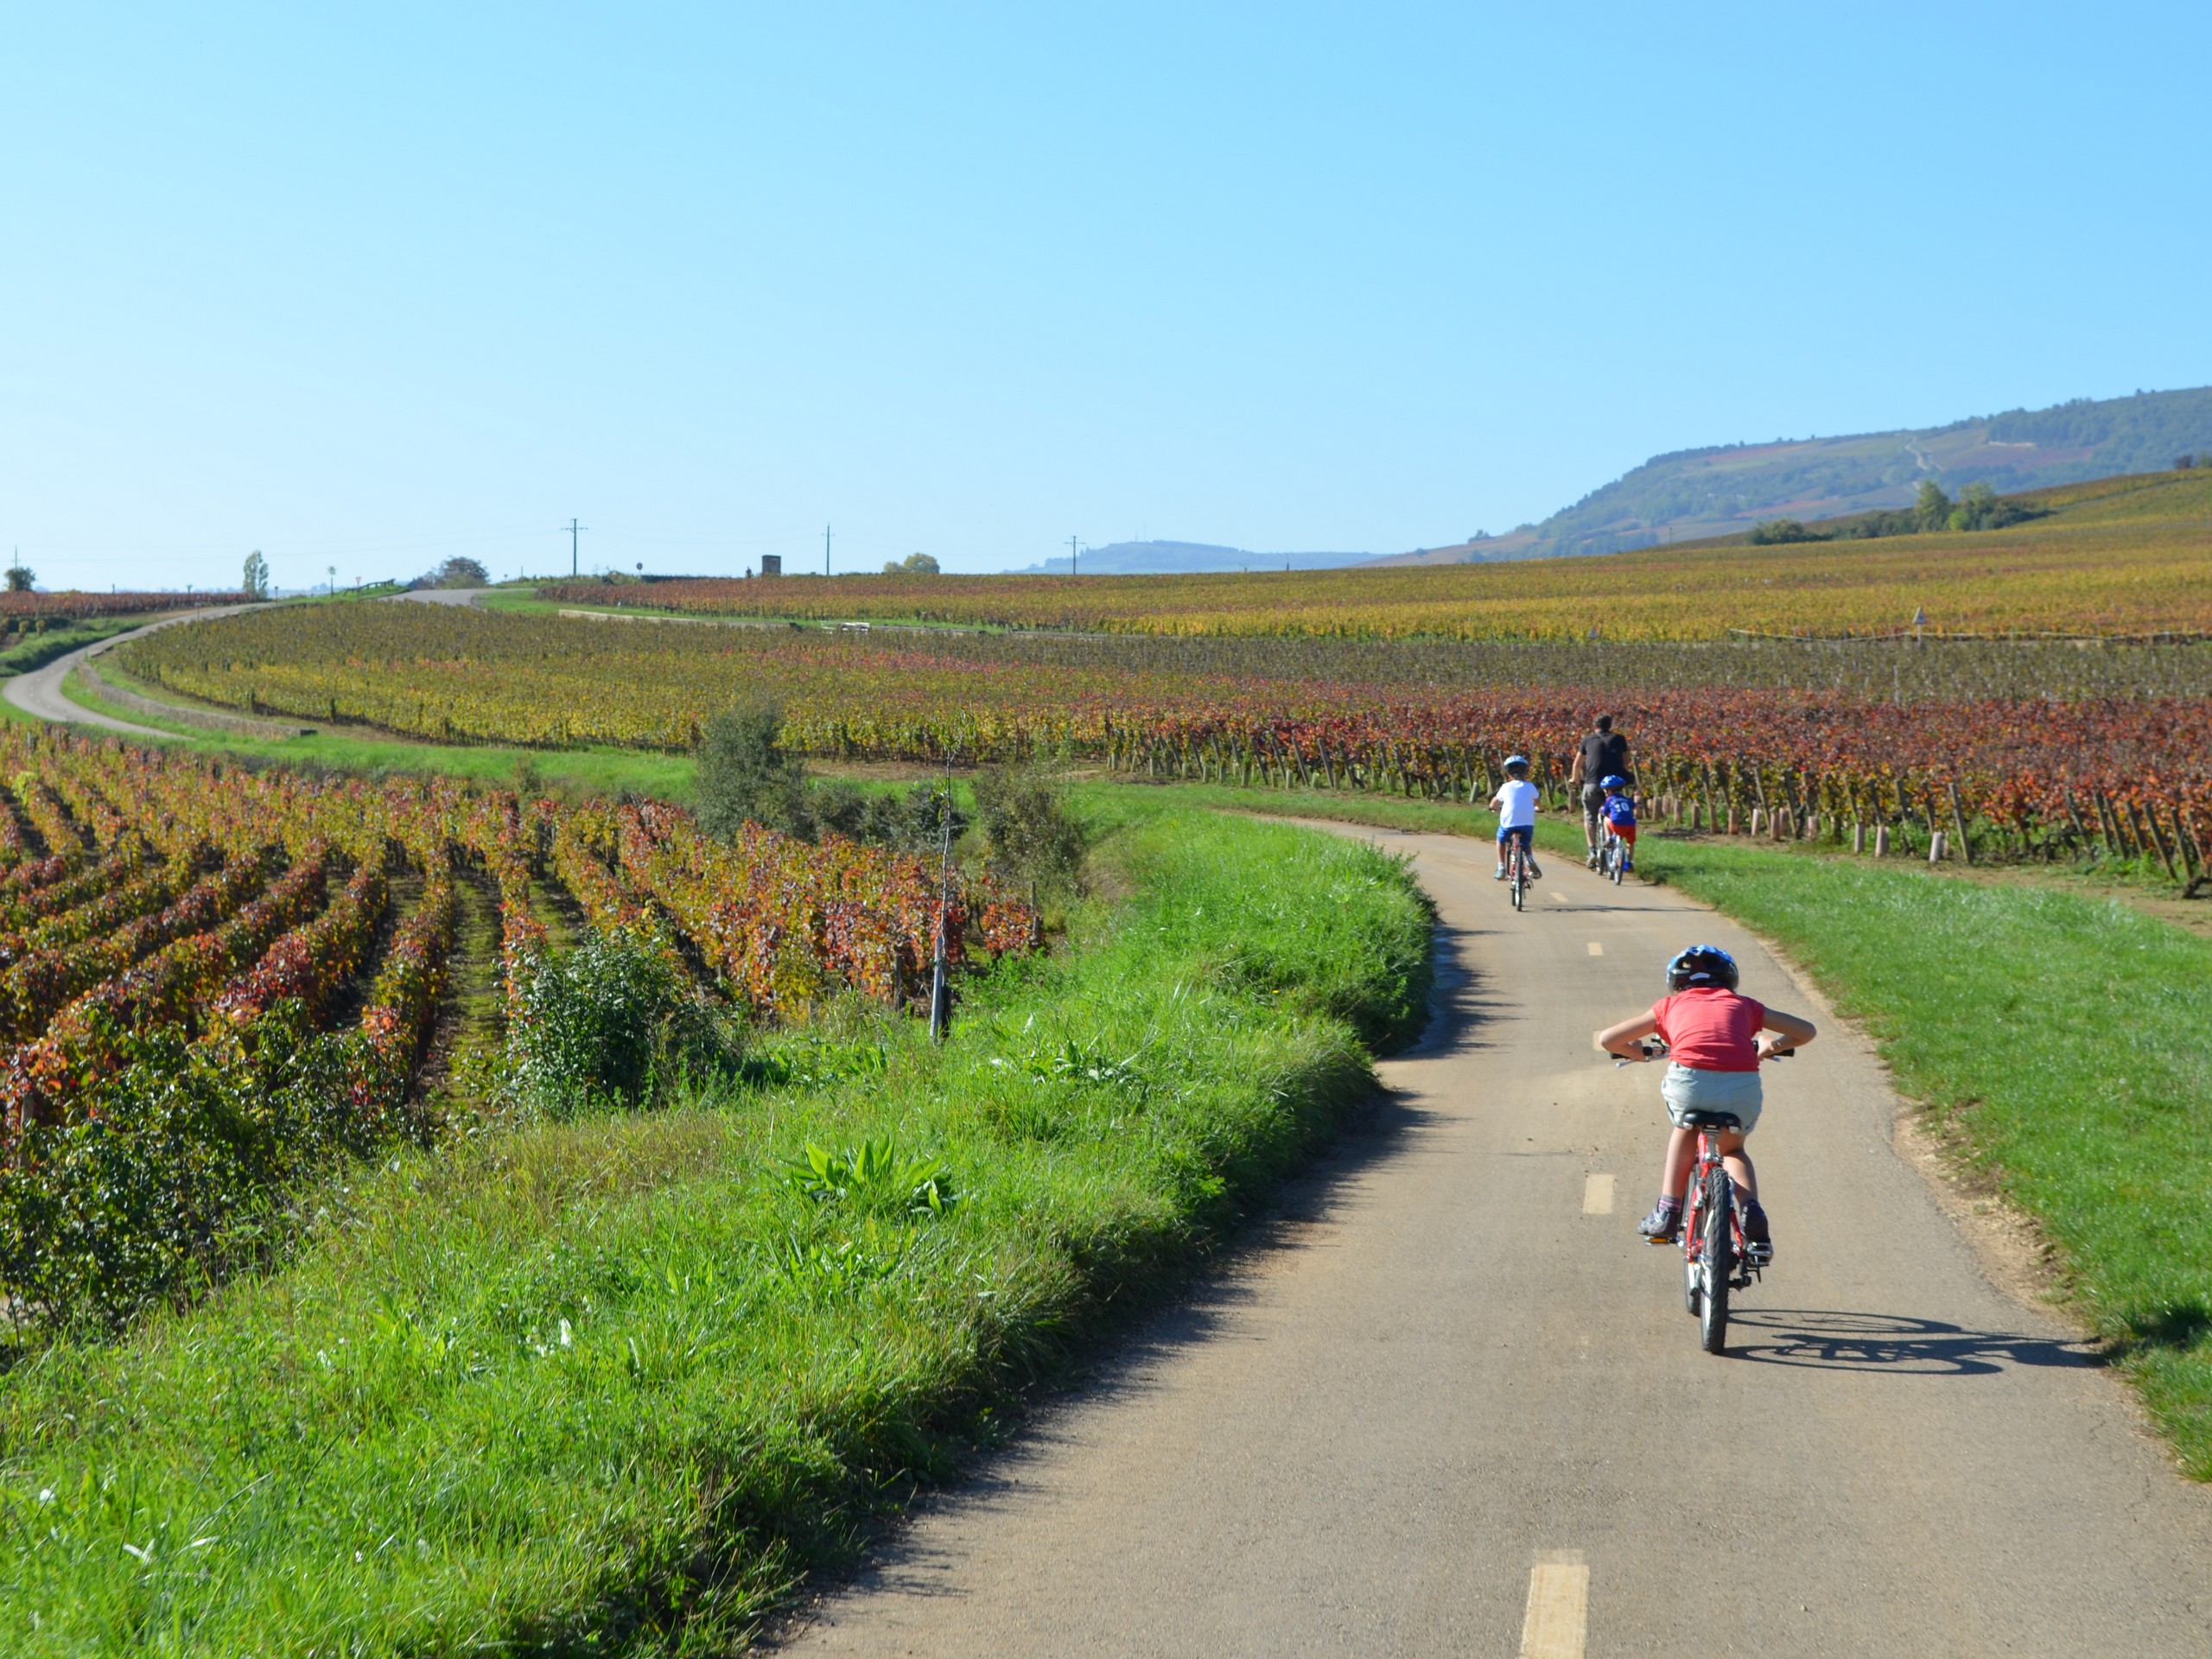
(1977, 508)
(1028, 835)
(20, 578)
(1932, 510)
(914, 564)
(255, 585)
(746, 776)
(1775, 530)
(460, 573)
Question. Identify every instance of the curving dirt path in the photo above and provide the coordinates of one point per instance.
(1451, 1405)
(38, 692)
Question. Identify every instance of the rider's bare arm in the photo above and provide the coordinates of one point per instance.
(1624, 1040)
(1789, 1032)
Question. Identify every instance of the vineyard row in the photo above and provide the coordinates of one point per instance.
(146, 892)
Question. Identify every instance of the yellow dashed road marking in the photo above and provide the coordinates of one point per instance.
(1596, 949)
(1555, 1624)
(1598, 1196)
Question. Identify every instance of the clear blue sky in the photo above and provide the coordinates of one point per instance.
(367, 290)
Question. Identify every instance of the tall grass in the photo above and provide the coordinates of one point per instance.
(610, 1385)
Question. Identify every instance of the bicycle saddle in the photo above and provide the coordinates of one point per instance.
(1712, 1121)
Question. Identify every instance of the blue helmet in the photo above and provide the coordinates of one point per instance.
(1513, 760)
(1612, 780)
(1701, 964)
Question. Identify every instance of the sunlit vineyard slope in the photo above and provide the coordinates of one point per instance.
(2132, 564)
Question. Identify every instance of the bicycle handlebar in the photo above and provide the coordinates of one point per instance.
(1653, 1051)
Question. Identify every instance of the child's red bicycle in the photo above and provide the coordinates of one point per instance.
(1717, 1259)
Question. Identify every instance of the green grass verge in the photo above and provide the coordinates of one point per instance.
(37, 650)
(609, 1386)
(2059, 1041)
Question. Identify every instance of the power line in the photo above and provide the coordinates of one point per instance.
(574, 529)
(1071, 556)
(825, 550)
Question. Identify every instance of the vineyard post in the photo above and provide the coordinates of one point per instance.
(2080, 834)
(940, 979)
(2158, 839)
(2182, 830)
(2108, 821)
(1959, 821)
(2181, 844)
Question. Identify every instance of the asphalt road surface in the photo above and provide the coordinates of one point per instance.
(1451, 1404)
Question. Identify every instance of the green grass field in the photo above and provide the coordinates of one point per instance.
(607, 1386)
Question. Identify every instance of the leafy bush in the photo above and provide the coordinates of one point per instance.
(912, 822)
(611, 1023)
(745, 775)
(1027, 832)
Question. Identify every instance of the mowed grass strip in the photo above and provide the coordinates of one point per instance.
(609, 1386)
(2060, 1039)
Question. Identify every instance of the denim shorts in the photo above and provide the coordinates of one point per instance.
(1686, 1091)
(1523, 833)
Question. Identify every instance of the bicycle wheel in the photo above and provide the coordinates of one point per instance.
(1716, 1260)
(1520, 877)
(1616, 864)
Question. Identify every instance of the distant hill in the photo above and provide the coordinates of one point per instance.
(1169, 558)
(1697, 493)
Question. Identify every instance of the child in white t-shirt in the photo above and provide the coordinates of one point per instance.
(1515, 802)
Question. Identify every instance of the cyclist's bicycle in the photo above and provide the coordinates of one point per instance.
(1717, 1259)
(1612, 854)
(1517, 871)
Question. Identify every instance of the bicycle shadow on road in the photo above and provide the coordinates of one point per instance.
(1889, 1344)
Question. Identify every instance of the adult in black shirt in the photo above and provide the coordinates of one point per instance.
(1604, 752)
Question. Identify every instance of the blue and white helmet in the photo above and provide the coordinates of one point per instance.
(1612, 780)
(1513, 760)
(1701, 964)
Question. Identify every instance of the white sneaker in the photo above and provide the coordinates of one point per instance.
(1500, 875)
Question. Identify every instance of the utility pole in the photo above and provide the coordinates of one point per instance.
(825, 550)
(1071, 556)
(573, 528)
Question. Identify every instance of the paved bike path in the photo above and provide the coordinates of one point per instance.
(1443, 1408)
